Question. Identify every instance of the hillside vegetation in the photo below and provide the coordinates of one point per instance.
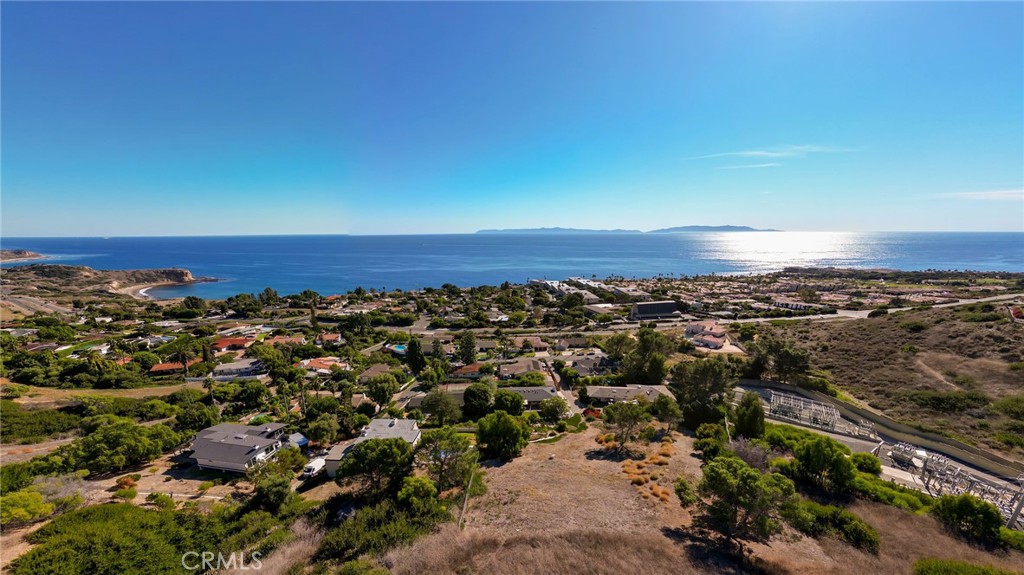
(954, 371)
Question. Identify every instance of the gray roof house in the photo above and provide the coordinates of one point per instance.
(405, 429)
(533, 395)
(603, 394)
(241, 368)
(234, 447)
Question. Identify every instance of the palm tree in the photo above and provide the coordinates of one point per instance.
(183, 356)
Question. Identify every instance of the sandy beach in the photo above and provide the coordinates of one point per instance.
(139, 291)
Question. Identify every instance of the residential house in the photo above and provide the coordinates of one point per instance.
(519, 367)
(406, 429)
(471, 371)
(567, 343)
(233, 343)
(248, 367)
(329, 339)
(323, 365)
(532, 396)
(171, 367)
(531, 342)
(373, 371)
(603, 395)
(234, 447)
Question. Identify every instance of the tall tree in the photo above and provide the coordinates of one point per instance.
(742, 502)
(441, 407)
(382, 463)
(702, 388)
(447, 455)
(628, 418)
(501, 435)
(414, 355)
(466, 346)
(476, 401)
(381, 388)
(508, 401)
(750, 416)
(666, 410)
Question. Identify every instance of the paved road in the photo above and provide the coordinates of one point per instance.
(30, 305)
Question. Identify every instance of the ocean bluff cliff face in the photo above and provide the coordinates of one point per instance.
(64, 279)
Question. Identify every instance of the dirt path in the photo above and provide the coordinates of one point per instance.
(15, 453)
(933, 373)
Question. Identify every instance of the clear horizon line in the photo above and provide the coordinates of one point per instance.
(500, 230)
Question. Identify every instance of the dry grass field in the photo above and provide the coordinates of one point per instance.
(562, 508)
(907, 364)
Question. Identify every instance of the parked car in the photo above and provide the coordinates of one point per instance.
(314, 467)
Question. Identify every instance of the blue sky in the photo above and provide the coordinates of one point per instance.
(259, 118)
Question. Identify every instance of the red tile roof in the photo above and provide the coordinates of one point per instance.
(172, 366)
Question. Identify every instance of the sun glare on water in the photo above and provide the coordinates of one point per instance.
(762, 251)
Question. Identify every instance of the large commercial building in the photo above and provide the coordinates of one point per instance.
(654, 310)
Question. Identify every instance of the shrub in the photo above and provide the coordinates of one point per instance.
(948, 401)
(969, 516)
(375, 530)
(23, 507)
(685, 492)
(161, 500)
(205, 486)
(126, 494)
(1011, 406)
(953, 567)
(867, 463)
(870, 487)
(819, 520)
(1011, 538)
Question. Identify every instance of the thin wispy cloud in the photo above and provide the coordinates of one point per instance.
(788, 151)
(988, 196)
(748, 166)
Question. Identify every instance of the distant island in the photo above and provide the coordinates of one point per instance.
(675, 230)
(557, 231)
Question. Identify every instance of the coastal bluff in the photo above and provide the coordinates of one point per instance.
(40, 279)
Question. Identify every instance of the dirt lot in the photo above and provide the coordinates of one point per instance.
(559, 509)
(49, 397)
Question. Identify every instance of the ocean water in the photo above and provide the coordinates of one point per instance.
(336, 264)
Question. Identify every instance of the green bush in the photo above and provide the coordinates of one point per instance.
(1011, 538)
(127, 494)
(161, 500)
(953, 567)
(34, 425)
(969, 516)
(948, 401)
(1011, 406)
(819, 520)
(867, 463)
(23, 507)
(870, 487)
(377, 529)
(120, 538)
